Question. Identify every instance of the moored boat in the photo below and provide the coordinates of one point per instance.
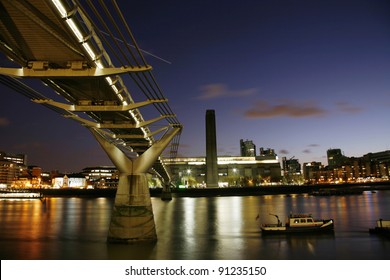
(342, 191)
(20, 195)
(382, 227)
(298, 223)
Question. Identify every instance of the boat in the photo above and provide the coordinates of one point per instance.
(382, 227)
(20, 195)
(329, 192)
(298, 223)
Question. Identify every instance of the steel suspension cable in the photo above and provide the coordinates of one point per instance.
(98, 31)
(115, 25)
(143, 88)
(158, 92)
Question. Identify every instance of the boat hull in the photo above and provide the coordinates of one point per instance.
(378, 230)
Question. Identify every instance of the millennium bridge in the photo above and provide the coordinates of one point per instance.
(85, 52)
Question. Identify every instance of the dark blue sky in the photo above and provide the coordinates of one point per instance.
(296, 76)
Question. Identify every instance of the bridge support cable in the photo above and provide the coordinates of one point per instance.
(132, 219)
(144, 81)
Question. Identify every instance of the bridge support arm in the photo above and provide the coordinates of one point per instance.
(40, 73)
(97, 108)
(147, 159)
(118, 158)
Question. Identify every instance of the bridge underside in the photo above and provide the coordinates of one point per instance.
(60, 44)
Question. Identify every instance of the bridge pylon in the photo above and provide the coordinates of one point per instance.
(132, 218)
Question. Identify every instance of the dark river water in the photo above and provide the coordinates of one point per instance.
(202, 228)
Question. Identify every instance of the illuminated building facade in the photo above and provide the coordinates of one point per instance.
(20, 159)
(101, 176)
(341, 169)
(11, 167)
(232, 171)
(69, 182)
(377, 164)
(291, 169)
(9, 171)
(314, 172)
(291, 166)
(99, 172)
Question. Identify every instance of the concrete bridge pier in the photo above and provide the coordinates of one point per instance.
(166, 193)
(132, 219)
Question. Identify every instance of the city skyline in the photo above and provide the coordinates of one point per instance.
(299, 78)
(110, 165)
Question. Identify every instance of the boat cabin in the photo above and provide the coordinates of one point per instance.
(302, 220)
(383, 223)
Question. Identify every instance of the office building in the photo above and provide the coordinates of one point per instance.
(247, 148)
(335, 158)
(11, 167)
(20, 159)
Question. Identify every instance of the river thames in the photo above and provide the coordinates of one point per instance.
(195, 228)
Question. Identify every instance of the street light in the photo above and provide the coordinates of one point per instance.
(234, 176)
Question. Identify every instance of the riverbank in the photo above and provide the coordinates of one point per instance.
(288, 190)
(231, 191)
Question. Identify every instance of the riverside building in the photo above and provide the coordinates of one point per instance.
(371, 167)
(248, 149)
(11, 167)
(188, 172)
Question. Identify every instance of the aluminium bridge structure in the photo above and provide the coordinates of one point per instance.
(86, 54)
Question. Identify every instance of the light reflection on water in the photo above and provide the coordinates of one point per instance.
(194, 228)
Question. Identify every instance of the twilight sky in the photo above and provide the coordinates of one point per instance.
(299, 77)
